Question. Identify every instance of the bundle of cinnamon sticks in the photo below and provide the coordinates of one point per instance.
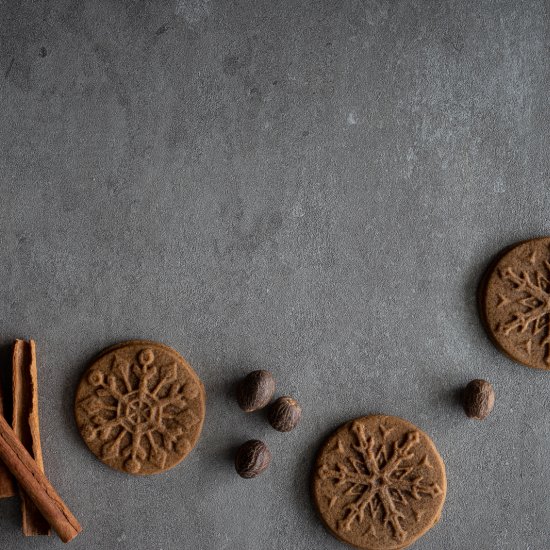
(21, 453)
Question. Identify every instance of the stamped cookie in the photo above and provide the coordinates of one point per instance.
(515, 302)
(379, 483)
(140, 407)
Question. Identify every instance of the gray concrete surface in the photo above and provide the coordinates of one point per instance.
(309, 187)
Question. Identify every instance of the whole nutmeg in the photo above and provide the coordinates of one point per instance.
(252, 458)
(255, 390)
(479, 399)
(284, 414)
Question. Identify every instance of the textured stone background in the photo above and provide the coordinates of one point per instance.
(310, 187)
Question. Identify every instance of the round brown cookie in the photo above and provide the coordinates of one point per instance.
(379, 483)
(515, 302)
(140, 407)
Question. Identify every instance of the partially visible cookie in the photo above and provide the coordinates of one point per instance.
(140, 407)
(515, 302)
(379, 483)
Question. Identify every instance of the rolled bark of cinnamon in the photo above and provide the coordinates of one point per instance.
(7, 486)
(35, 484)
(26, 427)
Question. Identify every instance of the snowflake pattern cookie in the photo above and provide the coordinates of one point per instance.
(515, 302)
(140, 407)
(379, 483)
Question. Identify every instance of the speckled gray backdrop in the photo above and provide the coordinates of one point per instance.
(310, 187)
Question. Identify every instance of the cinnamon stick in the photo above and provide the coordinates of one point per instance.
(7, 486)
(35, 484)
(26, 427)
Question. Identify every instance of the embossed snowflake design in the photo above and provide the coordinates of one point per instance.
(382, 479)
(529, 306)
(139, 411)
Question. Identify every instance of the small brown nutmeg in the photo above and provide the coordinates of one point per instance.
(252, 458)
(479, 399)
(284, 414)
(255, 390)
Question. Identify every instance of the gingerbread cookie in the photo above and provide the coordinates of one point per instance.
(379, 483)
(140, 407)
(515, 302)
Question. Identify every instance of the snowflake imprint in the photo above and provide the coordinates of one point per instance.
(138, 411)
(376, 479)
(529, 306)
